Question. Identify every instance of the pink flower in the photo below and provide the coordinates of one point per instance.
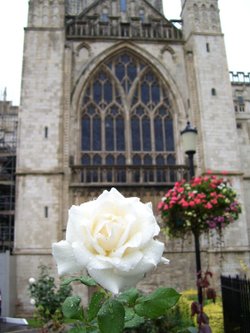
(184, 204)
(211, 225)
(208, 206)
(197, 201)
(160, 205)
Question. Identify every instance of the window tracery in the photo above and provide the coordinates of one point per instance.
(126, 116)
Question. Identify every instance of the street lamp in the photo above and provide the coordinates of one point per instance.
(189, 137)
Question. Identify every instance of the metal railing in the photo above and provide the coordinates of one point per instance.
(128, 175)
(236, 304)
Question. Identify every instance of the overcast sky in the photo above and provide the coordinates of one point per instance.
(13, 18)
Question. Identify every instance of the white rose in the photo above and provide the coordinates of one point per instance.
(32, 301)
(32, 280)
(112, 237)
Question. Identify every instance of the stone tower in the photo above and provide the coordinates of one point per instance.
(212, 108)
(107, 87)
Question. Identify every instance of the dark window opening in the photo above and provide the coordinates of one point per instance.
(46, 132)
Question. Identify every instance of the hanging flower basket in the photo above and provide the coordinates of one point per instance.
(204, 203)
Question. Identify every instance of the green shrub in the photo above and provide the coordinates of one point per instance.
(172, 322)
(215, 314)
(47, 298)
(213, 310)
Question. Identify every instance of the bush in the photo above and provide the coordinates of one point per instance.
(47, 298)
(213, 310)
(215, 314)
(173, 322)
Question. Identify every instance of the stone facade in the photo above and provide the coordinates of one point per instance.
(66, 42)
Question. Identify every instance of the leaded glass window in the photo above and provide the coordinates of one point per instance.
(123, 5)
(127, 117)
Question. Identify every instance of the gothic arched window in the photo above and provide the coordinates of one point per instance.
(127, 116)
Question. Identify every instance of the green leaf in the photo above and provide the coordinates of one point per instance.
(92, 329)
(71, 308)
(95, 304)
(129, 297)
(88, 281)
(111, 317)
(69, 280)
(157, 303)
(78, 330)
(132, 319)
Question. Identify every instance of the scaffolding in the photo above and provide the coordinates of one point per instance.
(8, 139)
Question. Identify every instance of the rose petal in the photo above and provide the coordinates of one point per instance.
(153, 252)
(85, 258)
(65, 258)
(110, 280)
(126, 263)
(152, 256)
(79, 216)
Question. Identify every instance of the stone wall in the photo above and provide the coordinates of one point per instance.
(7, 284)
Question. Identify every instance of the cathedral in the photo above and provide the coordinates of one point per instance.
(107, 87)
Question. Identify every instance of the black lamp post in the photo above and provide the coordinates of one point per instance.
(189, 137)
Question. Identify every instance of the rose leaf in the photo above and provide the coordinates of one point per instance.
(78, 330)
(132, 319)
(95, 304)
(157, 303)
(111, 317)
(129, 296)
(71, 308)
(88, 281)
(65, 282)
